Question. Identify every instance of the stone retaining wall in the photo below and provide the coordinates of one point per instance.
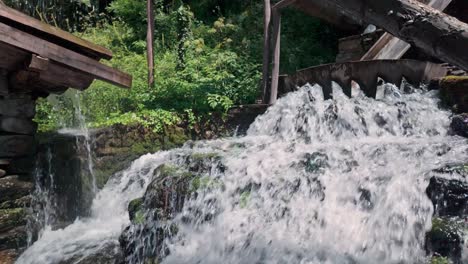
(17, 151)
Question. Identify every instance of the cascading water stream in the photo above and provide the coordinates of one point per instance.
(314, 181)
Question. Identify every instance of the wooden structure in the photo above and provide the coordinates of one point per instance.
(35, 61)
(439, 35)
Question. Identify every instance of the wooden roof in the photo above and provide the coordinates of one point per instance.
(49, 59)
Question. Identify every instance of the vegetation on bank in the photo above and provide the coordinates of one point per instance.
(208, 57)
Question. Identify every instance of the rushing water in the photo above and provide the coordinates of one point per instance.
(314, 181)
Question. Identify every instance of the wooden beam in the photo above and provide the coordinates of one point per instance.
(266, 49)
(438, 34)
(34, 45)
(11, 58)
(389, 47)
(329, 13)
(62, 38)
(282, 4)
(276, 55)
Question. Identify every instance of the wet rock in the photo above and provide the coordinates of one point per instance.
(18, 107)
(449, 195)
(454, 92)
(459, 125)
(446, 239)
(12, 188)
(110, 253)
(18, 125)
(2, 173)
(15, 238)
(11, 218)
(315, 162)
(135, 209)
(22, 202)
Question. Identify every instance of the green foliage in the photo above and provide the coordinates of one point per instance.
(208, 57)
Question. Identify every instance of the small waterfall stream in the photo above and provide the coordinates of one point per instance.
(314, 181)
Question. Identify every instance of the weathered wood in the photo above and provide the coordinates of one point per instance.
(3, 83)
(17, 125)
(283, 3)
(439, 35)
(11, 58)
(32, 44)
(16, 146)
(266, 49)
(328, 12)
(390, 47)
(22, 107)
(276, 55)
(150, 41)
(365, 73)
(62, 38)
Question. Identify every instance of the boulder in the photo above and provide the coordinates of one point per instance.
(22, 202)
(459, 125)
(12, 188)
(15, 238)
(449, 195)
(454, 92)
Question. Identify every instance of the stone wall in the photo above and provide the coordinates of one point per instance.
(17, 150)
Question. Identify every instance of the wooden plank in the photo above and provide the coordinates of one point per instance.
(389, 47)
(34, 45)
(42, 30)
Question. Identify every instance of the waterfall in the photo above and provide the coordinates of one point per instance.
(314, 181)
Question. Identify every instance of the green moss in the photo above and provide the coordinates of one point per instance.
(439, 260)
(454, 78)
(244, 199)
(139, 217)
(204, 156)
(10, 218)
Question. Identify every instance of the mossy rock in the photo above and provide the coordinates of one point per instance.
(11, 218)
(440, 260)
(446, 238)
(135, 210)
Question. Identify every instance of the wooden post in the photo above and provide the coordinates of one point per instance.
(276, 55)
(150, 42)
(266, 50)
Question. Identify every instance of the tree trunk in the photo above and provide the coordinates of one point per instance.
(438, 34)
(150, 42)
(266, 50)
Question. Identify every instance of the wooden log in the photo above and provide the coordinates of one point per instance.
(266, 49)
(389, 47)
(438, 34)
(16, 146)
(20, 107)
(34, 45)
